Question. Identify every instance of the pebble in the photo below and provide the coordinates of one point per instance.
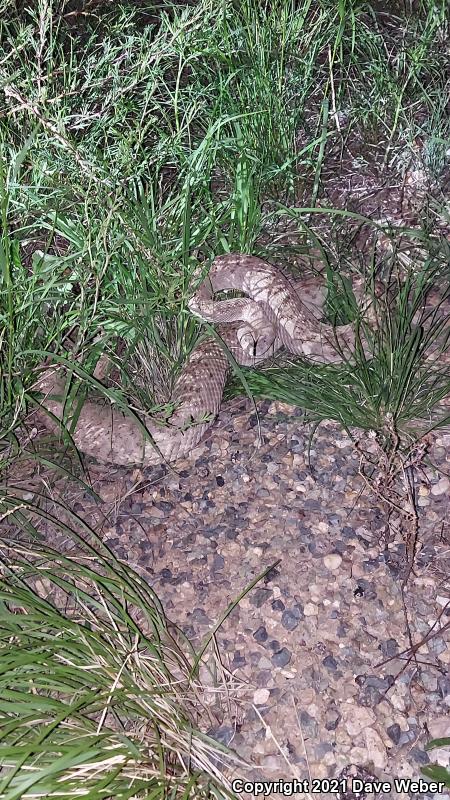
(291, 617)
(263, 677)
(439, 727)
(332, 561)
(282, 657)
(394, 732)
(310, 610)
(429, 682)
(308, 725)
(442, 600)
(357, 718)
(155, 512)
(330, 663)
(407, 737)
(389, 648)
(261, 697)
(443, 686)
(259, 597)
(419, 755)
(376, 751)
(332, 718)
(222, 734)
(442, 486)
(437, 645)
(375, 681)
(260, 635)
(366, 589)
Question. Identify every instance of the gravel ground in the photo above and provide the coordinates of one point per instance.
(318, 644)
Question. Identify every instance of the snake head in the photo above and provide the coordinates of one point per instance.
(256, 345)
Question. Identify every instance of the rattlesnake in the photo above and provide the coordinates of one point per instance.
(252, 328)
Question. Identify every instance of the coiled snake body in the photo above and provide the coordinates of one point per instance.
(252, 328)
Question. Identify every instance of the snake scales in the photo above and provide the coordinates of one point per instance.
(274, 314)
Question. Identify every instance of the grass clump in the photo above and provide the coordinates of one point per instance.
(98, 696)
(399, 371)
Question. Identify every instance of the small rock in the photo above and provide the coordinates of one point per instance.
(419, 755)
(365, 589)
(371, 564)
(437, 645)
(375, 748)
(442, 600)
(164, 505)
(389, 648)
(439, 727)
(322, 749)
(394, 732)
(357, 718)
(281, 658)
(310, 610)
(222, 734)
(291, 617)
(332, 718)
(152, 511)
(423, 502)
(308, 725)
(332, 561)
(342, 630)
(443, 685)
(429, 682)
(330, 663)
(382, 684)
(259, 597)
(263, 678)
(238, 660)
(260, 635)
(261, 697)
(407, 737)
(370, 696)
(426, 556)
(218, 563)
(442, 486)
(200, 616)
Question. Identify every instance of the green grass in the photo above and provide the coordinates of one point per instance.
(136, 96)
(435, 772)
(131, 151)
(99, 693)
